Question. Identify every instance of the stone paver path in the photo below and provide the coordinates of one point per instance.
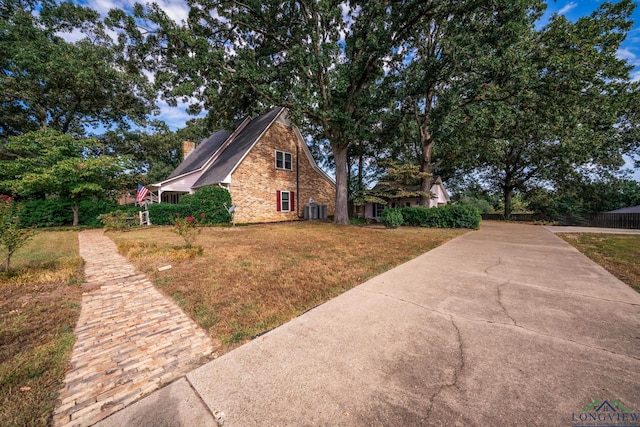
(130, 339)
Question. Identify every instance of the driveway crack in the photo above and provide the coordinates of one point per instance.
(456, 371)
(486, 270)
(491, 322)
(504, 308)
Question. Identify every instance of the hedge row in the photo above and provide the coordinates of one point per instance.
(448, 216)
(209, 201)
(57, 212)
(165, 214)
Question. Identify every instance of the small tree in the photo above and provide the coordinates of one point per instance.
(54, 164)
(12, 237)
(188, 229)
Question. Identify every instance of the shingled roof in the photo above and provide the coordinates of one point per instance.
(232, 155)
(221, 153)
(203, 152)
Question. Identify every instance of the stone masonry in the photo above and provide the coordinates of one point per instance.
(130, 339)
(256, 180)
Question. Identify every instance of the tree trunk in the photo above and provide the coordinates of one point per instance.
(426, 166)
(341, 215)
(76, 209)
(508, 192)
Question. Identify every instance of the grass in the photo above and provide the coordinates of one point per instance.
(39, 305)
(619, 254)
(252, 279)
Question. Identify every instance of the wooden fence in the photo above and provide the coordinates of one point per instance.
(614, 220)
(514, 217)
(604, 220)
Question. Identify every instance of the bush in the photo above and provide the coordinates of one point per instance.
(12, 236)
(483, 205)
(209, 201)
(116, 220)
(448, 216)
(90, 210)
(188, 229)
(165, 213)
(56, 212)
(391, 218)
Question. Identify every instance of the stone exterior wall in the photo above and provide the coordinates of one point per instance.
(255, 183)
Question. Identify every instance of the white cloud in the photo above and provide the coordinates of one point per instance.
(635, 76)
(568, 8)
(175, 117)
(177, 10)
(73, 36)
(629, 56)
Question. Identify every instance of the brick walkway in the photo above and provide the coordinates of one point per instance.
(130, 339)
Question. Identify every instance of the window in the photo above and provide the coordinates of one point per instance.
(377, 209)
(285, 201)
(283, 160)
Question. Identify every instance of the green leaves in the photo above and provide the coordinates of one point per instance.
(55, 164)
(47, 82)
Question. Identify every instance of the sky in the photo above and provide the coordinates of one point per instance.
(176, 117)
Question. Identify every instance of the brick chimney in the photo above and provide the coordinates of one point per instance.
(187, 147)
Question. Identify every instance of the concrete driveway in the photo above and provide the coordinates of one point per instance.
(508, 325)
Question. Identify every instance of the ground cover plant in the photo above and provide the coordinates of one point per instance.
(251, 279)
(617, 253)
(40, 299)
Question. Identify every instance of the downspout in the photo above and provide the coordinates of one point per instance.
(298, 182)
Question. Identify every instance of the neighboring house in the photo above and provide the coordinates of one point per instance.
(440, 197)
(631, 209)
(264, 163)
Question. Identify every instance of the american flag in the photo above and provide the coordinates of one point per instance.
(141, 194)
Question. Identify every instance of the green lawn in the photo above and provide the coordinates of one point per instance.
(618, 253)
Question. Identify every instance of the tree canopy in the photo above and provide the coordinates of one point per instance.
(50, 163)
(50, 83)
(563, 108)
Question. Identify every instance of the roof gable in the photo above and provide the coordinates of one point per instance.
(237, 149)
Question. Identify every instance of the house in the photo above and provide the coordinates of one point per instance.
(264, 163)
(631, 209)
(439, 197)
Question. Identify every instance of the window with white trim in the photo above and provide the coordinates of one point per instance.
(377, 209)
(285, 201)
(283, 160)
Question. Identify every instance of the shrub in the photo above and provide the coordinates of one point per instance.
(210, 201)
(12, 236)
(56, 212)
(391, 218)
(53, 212)
(415, 216)
(116, 220)
(207, 200)
(483, 205)
(165, 213)
(448, 216)
(90, 210)
(188, 229)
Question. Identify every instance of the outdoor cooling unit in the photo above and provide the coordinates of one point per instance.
(313, 211)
